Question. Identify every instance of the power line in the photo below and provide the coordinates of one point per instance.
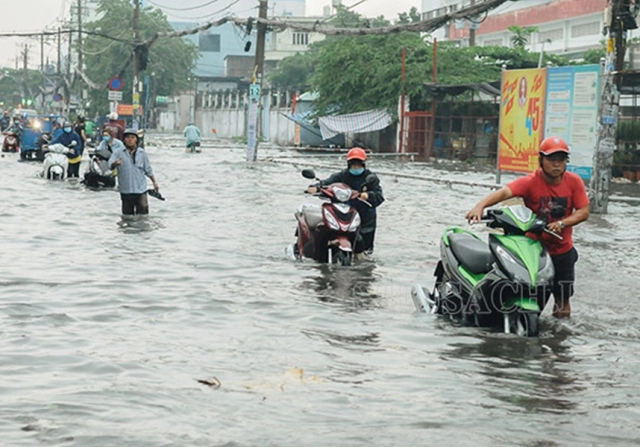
(183, 9)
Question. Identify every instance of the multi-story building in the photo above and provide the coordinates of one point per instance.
(567, 27)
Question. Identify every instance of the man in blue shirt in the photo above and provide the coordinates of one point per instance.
(133, 168)
(75, 155)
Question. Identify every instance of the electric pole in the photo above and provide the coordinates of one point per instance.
(81, 101)
(618, 19)
(59, 51)
(255, 90)
(25, 58)
(44, 81)
(136, 64)
(472, 30)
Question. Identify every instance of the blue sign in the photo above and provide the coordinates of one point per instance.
(115, 83)
(57, 97)
(573, 95)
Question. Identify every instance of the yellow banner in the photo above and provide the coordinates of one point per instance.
(521, 119)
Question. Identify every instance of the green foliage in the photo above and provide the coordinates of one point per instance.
(12, 86)
(412, 16)
(521, 35)
(171, 59)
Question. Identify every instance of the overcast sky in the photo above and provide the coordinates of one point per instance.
(38, 15)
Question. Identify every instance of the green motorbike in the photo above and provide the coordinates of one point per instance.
(502, 284)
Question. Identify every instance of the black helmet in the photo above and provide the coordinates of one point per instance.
(131, 132)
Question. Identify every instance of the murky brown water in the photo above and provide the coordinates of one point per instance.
(106, 326)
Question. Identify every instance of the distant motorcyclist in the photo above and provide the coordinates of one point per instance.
(75, 155)
(359, 178)
(116, 128)
(5, 121)
(79, 128)
(192, 134)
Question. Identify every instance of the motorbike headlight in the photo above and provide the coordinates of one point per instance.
(333, 223)
(515, 269)
(546, 271)
(355, 223)
(342, 194)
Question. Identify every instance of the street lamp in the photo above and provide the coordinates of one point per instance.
(542, 51)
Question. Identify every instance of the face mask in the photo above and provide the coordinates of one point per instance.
(358, 171)
(67, 129)
(106, 138)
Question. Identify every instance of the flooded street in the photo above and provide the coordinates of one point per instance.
(107, 326)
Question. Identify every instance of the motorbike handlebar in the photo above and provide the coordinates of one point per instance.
(556, 235)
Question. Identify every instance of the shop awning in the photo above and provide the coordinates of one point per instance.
(360, 122)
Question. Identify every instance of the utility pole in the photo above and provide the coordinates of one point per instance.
(618, 19)
(25, 59)
(136, 64)
(255, 90)
(44, 81)
(59, 51)
(472, 30)
(67, 84)
(80, 53)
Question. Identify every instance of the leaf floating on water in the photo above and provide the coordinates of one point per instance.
(214, 382)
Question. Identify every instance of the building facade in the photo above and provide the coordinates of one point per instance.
(566, 27)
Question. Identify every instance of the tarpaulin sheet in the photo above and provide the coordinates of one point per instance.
(361, 122)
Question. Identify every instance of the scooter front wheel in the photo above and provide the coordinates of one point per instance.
(343, 258)
(522, 323)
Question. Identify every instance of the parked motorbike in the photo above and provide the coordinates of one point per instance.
(503, 284)
(99, 174)
(193, 146)
(56, 162)
(10, 143)
(327, 232)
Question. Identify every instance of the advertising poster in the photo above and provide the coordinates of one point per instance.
(522, 109)
(572, 112)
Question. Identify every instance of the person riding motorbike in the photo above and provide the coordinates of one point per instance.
(359, 178)
(117, 130)
(5, 121)
(75, 156)
(192, 134)
(561, 198)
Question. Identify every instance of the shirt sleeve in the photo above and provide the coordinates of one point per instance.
(520, 186)
(580, 198)
(147, 166)
(114, 156)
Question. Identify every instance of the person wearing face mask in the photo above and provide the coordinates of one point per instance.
(559, 196)
(359, 178)
(75, 155)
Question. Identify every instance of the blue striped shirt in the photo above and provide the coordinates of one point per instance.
(132, 171)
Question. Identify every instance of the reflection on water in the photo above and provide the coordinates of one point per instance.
(107, 321)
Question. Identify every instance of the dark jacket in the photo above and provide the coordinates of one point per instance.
(357, 182)
(66, 138)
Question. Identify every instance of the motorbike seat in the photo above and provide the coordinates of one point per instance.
(472, 253)
(312, 215)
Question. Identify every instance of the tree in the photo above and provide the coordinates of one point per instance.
(412, 16)
(521, 35)
(12, 87)
(171, 59)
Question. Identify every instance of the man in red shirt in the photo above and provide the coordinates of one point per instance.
(550, 191)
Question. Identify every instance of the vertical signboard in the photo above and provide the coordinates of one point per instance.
(252, 127)
(522, 109)
(572, 112)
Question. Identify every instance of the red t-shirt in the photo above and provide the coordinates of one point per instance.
(543, 197)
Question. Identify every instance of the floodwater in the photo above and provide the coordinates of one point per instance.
(107, 325)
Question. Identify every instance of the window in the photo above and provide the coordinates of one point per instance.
(209, 43)
(585, 29)
(300, 38)
(553, 35)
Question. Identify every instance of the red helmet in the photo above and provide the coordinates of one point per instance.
(357, 153)
(551, 145)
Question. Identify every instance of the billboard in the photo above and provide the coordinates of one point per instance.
(522, 111)
(572, 112)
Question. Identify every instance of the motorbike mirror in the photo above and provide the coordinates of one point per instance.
(308, 173)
